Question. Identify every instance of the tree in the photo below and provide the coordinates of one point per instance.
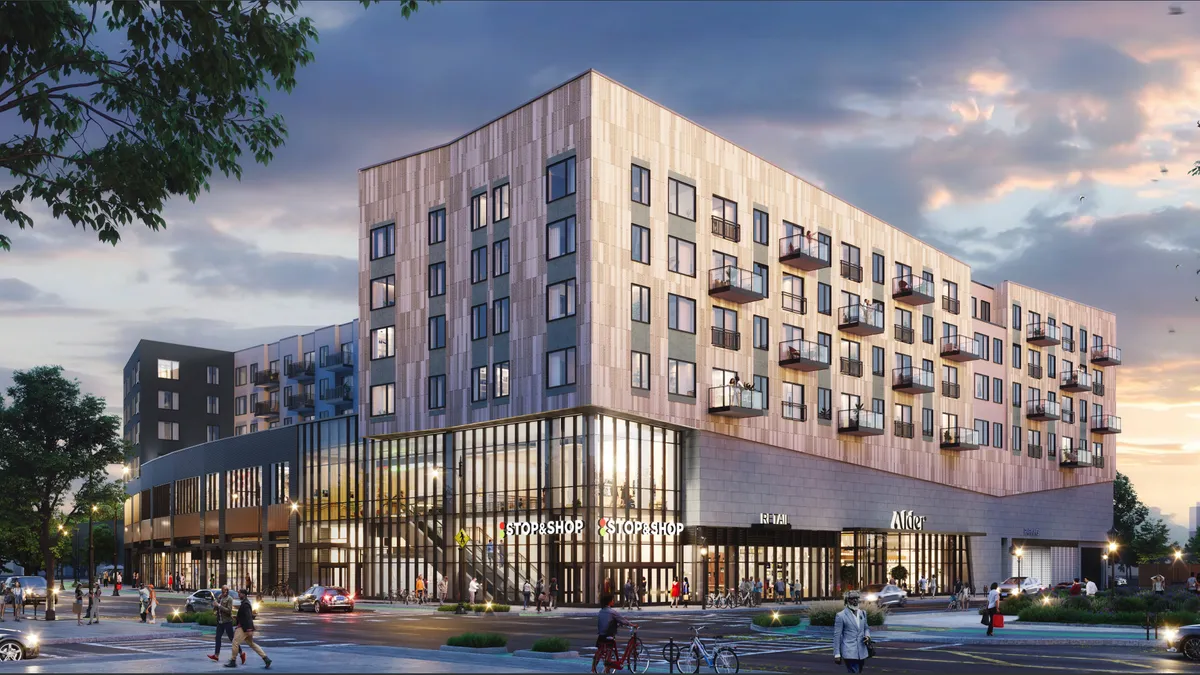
(1151, 542)
(104, 139)
(1128, 515)
(52, 439)
(900, 573)
(1192, 547)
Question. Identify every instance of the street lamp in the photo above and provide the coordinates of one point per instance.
(1019, 552)
(704, 576)
(435, 474)
(91, 548)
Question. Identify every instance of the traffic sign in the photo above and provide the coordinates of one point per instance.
(462, 538)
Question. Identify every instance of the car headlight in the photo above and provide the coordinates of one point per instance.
(33, 639)
(871, 597)
(1016, 591)
(1170, 634)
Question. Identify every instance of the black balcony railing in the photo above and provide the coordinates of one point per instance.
(726, 339)
(726, 229)
(1075, 380)
(950, 304)
(736, 284)
(1098, 461)
(868, 422)
(852, 367)
(1098, 388)
(1033, 450)
(266, 408)
(851, 271)
(266, 378)
(795, 411)
(1041, 333)
(1106, 355)
(950, 389)
(905, 334)
(804, 251)
(795, 303)
(913, 290)
(867, 317)
(736, 401)
(341, 392)
(1068, 344)
(803, 354)
(1043, 410)
(339, 359)
(1068, 416)
(300, 402)
(1035, 371)
(1106, 424)
(300, 369)
(959, 437)
(913, 380)
(902, 429)
(960, 348)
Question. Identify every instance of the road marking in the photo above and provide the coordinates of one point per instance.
(931, 647)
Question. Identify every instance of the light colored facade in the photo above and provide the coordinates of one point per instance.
(693, 264)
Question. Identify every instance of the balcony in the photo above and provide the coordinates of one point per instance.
(731, 400)
(803, 355)
(1041, 410)
(795, 303)
(852, 367)
(267, 378)
(860, 320)
(266, 409)
(1075, 381)
(1098, 461)
(902, 429)
(804, 252)
(1098, 388)
(795, 411)
(342, 393)
(302, 370)
(726, 229)
(860, 423)
(1033, 450)
(960, 348)
(1035, 371)
(736, 285)
(851, 271)
(913, 291)
(1106, 424)
(1106, 355)
(340, 362)
(1042, 334)
(950, 304)
(905, 334)
(950, 389)
(300, 403)
(959, 438)
(1068, 344)
(1068, 417)
(1071, 457)
(726, 339)
(910, 380)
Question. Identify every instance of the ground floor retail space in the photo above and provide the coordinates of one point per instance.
(242, 565)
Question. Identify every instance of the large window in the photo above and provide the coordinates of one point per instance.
(681, 377)
(383, 292)
(479, 378)
(560, 238)
(762, 227)
(478, 322)
(213, 405)
(500, 380)
(168, 431)
(437, 279)
(560, 179)
(762, 329)
(437, 332)
(239, 405)
(639, 370)
(681, 199)
(240, 377)
(168, 370)
(560, 300)
(500, 316)
(824, 298)
(681, 313)
(168, 400)
(500, 205)
(639, 250)
(878, 269)
(681, 256)
(479, 265)
(560, 368)
(213, 375)
(243, 488)
(383, 342)
(437, 226)
(793, 402)
(479, 211)
(383, 242)
(281, 492)
(500, 258)
(639, 303)
(187, 496)
(639, 189)
(437, 392)
(383, 399)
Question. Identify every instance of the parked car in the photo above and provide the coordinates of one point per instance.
(35, 589)
(1021, 585)
(203, 599)
(320, 599)
(1063, 585)
(1185, 640)
(885, 595)
(19, 646)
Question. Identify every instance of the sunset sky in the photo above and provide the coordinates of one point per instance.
(976, 126)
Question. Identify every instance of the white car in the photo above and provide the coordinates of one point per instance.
(1021, 586)
(19, 646)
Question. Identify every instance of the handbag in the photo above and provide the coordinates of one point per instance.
(985, 620)
(870, 647)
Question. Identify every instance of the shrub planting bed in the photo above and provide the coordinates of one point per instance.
(823, 613)
(773, 620)
(477, 640)
(1176, 609)
(551, 645)
(473, 608)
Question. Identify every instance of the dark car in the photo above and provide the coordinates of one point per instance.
(19, 646)
(203, 600)
(1185, 640)
(320, 599)
(885, 595)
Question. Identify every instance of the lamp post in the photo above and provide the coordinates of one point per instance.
(91, 548)
(704, 577)
(296, 515)
(116, 592)
(1112, 554)
(437, 512)
(1020, 553)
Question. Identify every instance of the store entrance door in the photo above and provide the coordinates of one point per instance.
(333, 574)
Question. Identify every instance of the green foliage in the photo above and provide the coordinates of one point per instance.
(770, 620)
(899, 573)
(1152, 541)
(450, 607)
(1058, 614)
(183, 617)
(1129, 603)
(551, 645)
(104, 139)
(1192, 547)
(1077, 602)
(206, 619)
(823, 613)
(478, 640)
(1013, 604)
(1128, 515)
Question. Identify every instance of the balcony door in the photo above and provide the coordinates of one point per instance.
(723, 260)
(722, 377)
(850, 401)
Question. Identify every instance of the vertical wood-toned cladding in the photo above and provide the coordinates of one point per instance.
(516, 148)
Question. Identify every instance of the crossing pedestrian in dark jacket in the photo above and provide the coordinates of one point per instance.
(244, 633)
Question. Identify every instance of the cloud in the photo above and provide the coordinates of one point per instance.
(20, 299)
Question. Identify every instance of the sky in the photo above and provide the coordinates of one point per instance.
(975, 126)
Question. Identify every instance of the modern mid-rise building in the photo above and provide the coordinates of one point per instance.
(1193, 520)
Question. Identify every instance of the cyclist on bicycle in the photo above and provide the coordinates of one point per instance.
(609, 621)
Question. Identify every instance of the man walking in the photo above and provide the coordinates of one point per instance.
(628, 592)
(223, 608)
(245, 633)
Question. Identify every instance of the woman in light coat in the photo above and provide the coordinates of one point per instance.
(850, 635)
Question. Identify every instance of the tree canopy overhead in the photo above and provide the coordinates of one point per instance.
(105, 137)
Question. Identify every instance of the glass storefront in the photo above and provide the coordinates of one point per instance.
(725, 557)
(870, 557)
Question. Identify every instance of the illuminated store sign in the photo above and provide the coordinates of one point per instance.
(524, 528)
(611, 526)
(905, 520)
(772, 519)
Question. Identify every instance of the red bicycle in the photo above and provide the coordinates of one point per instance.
(636, 658)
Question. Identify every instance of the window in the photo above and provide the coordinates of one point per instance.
(478, 322)
(239, 376)
(437, 392)
(1068, 338)
(639, 303)
(500, 380)
(824, 403)
(213, 405)
(479, 211)
(640, 244)
(437, 332)
(764, 273)
(639, 188)
(982, 387)
(479, 384)
(239, 405)
(500, 205)
(253, 427)
(168, 370)
(761, 332)
(1016, 356)
(762, 227)
(479, 265)
(1016, 394)
(214, 433)
(851, 262)
(927, 422)
(725, 329)
(1016, 317)
(681, 377)
(985, 311)
(1052, 445)
(560, 179)
(824, 298)
(1082, 346)
(383, 242)
(560, 238)
(560, 300)
(681, 256)
(904, 417)
(640, 370)
(998, 435)
(681, 313)
(983, 342)
(793, 402)
(500, 258)
(168, 431)
(762, 392)
(681, 199)
(500, 311)
(560, 368)
(383, 399)
(793, 292)
(437, 226)
(997, 390)
(998, 351)
(437, 279)
(168, 400)
(927, 329)
(878, 267)
(878, 360)
(213, 375)
(383, 292)
(1051, 366)
(982, 427)
(383, 342)
(1015, 443)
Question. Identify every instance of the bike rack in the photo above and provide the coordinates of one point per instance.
(671, 654)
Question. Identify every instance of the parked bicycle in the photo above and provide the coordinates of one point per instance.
(729, 599)
(636, 658)
(722, 659)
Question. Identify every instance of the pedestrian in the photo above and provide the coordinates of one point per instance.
(922, 585)
(18, 601)
(780, 590)
(441, 589)
(473, 588)
(993, 606)
(628, 592)
(117, 588)
(1158, 580)
(5, 598)
(94, 604)
(1192, 585)
(170, 581)
(420, 589)
(1076, 588)
(223, 608)
(687, 592)
(758, 592)
(642, 593)
(153, 604)
(1089, 587)
(143, 602)
(553, 593)
(526, 590)
(540, 593)
(244, 633)
(851, 635)
(675, 593)
(77, 606)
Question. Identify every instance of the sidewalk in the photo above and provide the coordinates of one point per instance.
(964, 627)
(66, 631)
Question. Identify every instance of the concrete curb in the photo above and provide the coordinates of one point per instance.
(553, 656)
(474, 650)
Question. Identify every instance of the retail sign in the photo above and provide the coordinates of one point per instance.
(525, 528)
(906, 520)
(612, 527)
(772, 519)
(1031, 531)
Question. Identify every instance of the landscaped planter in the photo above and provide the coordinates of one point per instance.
(530, 654)
(474, 650)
